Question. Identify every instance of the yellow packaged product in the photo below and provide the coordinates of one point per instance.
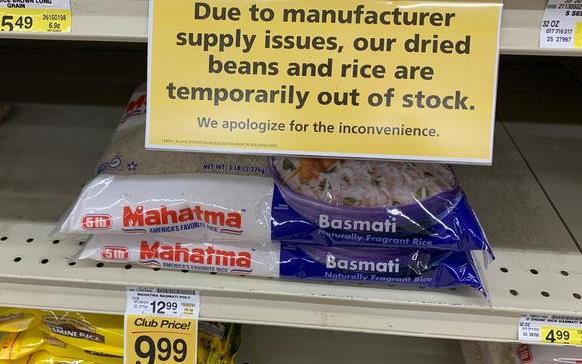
(44, 357)
(17, 319)
(14, 346)
(24, 360)
(90, 332)
(218, 343)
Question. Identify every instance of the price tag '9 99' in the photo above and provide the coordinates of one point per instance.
(161, 326)
(35, 16)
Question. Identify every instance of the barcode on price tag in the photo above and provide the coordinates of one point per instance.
(550, 329)
(562, 24)
(163, 302)
(52, 16)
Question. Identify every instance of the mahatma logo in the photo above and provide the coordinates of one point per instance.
(96, 222)
(118, 253)
(136, 106)
(208, 255)
(222, 222)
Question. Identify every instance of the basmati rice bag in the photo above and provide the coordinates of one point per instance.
(220, 197)
(401, 266)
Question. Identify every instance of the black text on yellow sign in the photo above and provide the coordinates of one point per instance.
(167, 340)
(411, 80)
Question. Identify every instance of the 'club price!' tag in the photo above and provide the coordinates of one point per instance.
(161, 326)
(52, 16)
(551, 329)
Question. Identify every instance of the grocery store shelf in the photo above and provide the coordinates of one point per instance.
(48, 151)
(126, 21)
(264, 345)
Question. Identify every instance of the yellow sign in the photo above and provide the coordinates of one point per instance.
(561, 335)
(161, 340)
(35, 16)
(411, 80)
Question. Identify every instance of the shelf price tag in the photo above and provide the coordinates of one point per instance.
(562, 24)
(161, 326)
(52, 16)
(551, 329)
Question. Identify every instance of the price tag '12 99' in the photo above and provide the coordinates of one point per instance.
(52, 16)
(163, 302)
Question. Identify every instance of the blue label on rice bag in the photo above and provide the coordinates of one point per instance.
(393, 205)
(403, 266)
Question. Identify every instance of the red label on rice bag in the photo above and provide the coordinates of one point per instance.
(96, 222)
(115, 253)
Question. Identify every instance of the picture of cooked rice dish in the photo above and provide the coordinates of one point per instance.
(358, 183)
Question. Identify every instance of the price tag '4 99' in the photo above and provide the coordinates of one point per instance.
(551, 329)
(52, 16)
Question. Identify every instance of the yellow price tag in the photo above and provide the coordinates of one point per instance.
(561, 335)
(163, 340)
(52, 16)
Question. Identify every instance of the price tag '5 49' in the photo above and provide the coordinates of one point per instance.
(52, 16)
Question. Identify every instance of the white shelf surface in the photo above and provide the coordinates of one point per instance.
(48, 151)
(268, 345)
(126, 21)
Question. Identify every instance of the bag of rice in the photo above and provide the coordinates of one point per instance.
(218, 343)
(14, 346)
(17, 319)
(401, 266)
(211, 197)
(43, 357)
(96, 333)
